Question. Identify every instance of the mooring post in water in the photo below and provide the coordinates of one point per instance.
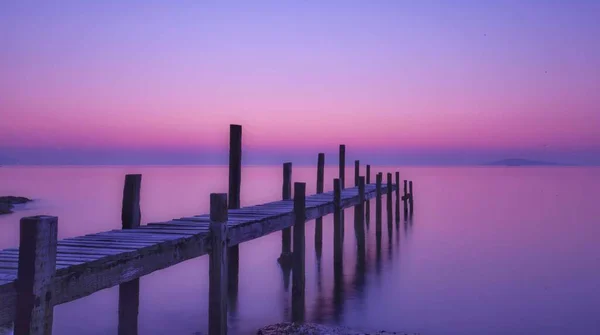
(397, 196)
(217, 300)
(390, 214)
(359, 227)
(320, 188)
(356, 171)
(286, 233)
(35, 275)
(368, 204)
(129, 292)
(342, 165)
(405, 197)
(389, 188)
(410, 197)
(298, 275)
(235, 180)
(337, 223)
(378, 178)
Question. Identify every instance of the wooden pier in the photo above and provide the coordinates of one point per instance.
(44, 272)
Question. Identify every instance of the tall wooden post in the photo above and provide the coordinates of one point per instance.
(235, 180)
(319, 221)
(389, 188)
(410, 198)
(217, 300)
(378, 178)
(356, 172)
(342, 165)
(390, 214)
(359, 227)
(397, 196)
(368, 204)
(286, 233)
(129, 292)
(35, 274)
(298, 276)
(337, 223)
(405, 197)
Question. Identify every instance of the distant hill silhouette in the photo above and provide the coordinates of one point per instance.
(520, 162)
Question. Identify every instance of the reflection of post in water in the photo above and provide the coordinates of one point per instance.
(338, 265)
(368, 204)
(298, 275)
(359, 228)
(129, 292)
(319, 221)
(411, 197)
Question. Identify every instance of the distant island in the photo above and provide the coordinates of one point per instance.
(520, 162)
(7, 203)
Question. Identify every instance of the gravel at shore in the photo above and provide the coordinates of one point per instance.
(288, 328)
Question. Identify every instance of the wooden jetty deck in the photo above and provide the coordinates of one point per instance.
(44, 272)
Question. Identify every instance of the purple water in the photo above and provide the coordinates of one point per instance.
(488, 251)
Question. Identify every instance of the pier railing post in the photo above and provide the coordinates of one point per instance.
(298, 276)
(286, 233)
(35, 274)
(234, 202)
(378, 178)
(217, 301)
(129, 292)
(320, 188)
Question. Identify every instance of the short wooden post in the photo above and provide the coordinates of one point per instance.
(298, 275)
(368, 181)
(35, 274)
(320, 189)
(342, 165)
(410, 197)
(397, 196)
(235, 180)
(217, 300)
(286, 233)
(356, 172)
(129, 292)
(378, 209)
(361, 190)
(337, 223)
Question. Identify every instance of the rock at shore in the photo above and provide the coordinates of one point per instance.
(7, 203)
(288, 328)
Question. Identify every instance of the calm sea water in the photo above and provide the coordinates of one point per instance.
(488, 251)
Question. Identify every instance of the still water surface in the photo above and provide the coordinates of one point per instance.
(488, 251)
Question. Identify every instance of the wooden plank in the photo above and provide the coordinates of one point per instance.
(99, 245)
(37, 266)
(217, 300)
(298, 261)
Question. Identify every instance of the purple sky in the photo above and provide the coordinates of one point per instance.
(398, 82)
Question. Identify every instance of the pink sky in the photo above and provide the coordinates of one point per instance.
(469, 77)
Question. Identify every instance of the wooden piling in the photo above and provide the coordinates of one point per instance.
(235, 180)
(35, 275)
(368, 181)
(356, 172)
(337, 223)
(320, 189)
(378, 209)
(405, 197)
(217, 301)
(410, 197)
(359, 227)
(129, 292)
(389, 188)
(389, 210)
(342, 165)
(298, 275)
(368, 204)
(397, 196)
(286, 233)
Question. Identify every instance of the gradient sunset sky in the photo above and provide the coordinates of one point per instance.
(398, 82)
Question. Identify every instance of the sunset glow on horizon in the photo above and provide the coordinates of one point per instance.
(427, 82)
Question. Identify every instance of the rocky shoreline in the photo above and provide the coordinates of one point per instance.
(288, 328)
(7, 203)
